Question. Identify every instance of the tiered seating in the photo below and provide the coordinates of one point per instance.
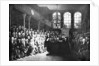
(23, 43)
(30, 42)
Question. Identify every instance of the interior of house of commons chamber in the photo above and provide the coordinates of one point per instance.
(49, 32)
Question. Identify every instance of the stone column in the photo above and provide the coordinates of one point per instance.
(39, 25)
(24, 16)
(29, 20)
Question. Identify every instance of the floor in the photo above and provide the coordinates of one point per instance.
(46, 57)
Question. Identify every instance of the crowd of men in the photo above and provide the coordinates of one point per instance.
(25, 42)
(82, 45)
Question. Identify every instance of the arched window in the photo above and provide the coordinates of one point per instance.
(67, 19)
(56, 20)
(77, 19)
